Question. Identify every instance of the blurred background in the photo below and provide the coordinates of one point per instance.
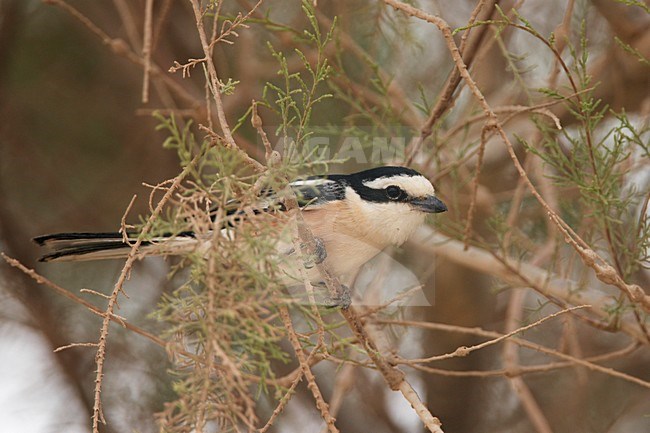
(77, 142)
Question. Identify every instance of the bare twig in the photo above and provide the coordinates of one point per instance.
(524, 343)
(215, 84)
(100, 357)
(524, 274)
(393, 376)
(603, 270)
(472, 203)
(283, 402)
(470, 42)
(519, 370)
(306, 371)
(73, 345)
(92, 308)
(146, 48)
(344, 381)
(256, 121)
(464, 351)
(123, 225)
(511, 361)
(121, 48)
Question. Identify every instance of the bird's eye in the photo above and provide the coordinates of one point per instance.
(394, 192)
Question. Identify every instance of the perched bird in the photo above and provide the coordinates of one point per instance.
(352, 216)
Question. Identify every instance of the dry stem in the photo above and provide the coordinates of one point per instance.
(603, 270)
(306, 371)
(100, 357)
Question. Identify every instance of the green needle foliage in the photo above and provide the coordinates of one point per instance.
(222, 321)
(548, 207)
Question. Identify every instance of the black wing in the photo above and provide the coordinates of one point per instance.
(310, 192)
(316, 191)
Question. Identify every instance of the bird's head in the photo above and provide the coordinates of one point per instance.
(392, 201)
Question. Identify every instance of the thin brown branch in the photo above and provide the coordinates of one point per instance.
(256, 121)
(73, 345)
(464, 351)
(215, 85)
(472, 203)
(344, 381)
(100, 357)
(283, 402)
(521, 370)
(393, 376)
(129, 22)
(524, 274)
(92, 308)
(322, 406)
(514, 315)
(147, 44)
(470, 42)
(603, 270)
(524, 343)
(121, 48)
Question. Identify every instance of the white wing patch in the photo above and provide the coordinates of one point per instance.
(310, 182)
(415, 186)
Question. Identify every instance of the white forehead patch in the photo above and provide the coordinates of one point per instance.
(415, 186)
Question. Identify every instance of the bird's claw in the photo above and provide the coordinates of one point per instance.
(342, 299)
(319, 254)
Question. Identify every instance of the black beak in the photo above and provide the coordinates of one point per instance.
(429, 204)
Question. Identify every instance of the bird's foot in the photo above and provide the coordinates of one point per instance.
(343, 299)
(319, 254)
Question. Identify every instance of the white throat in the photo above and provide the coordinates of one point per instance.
(383, 224)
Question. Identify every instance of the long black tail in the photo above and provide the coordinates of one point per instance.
(112, 245)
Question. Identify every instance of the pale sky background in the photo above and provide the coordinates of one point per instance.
(33, 396)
